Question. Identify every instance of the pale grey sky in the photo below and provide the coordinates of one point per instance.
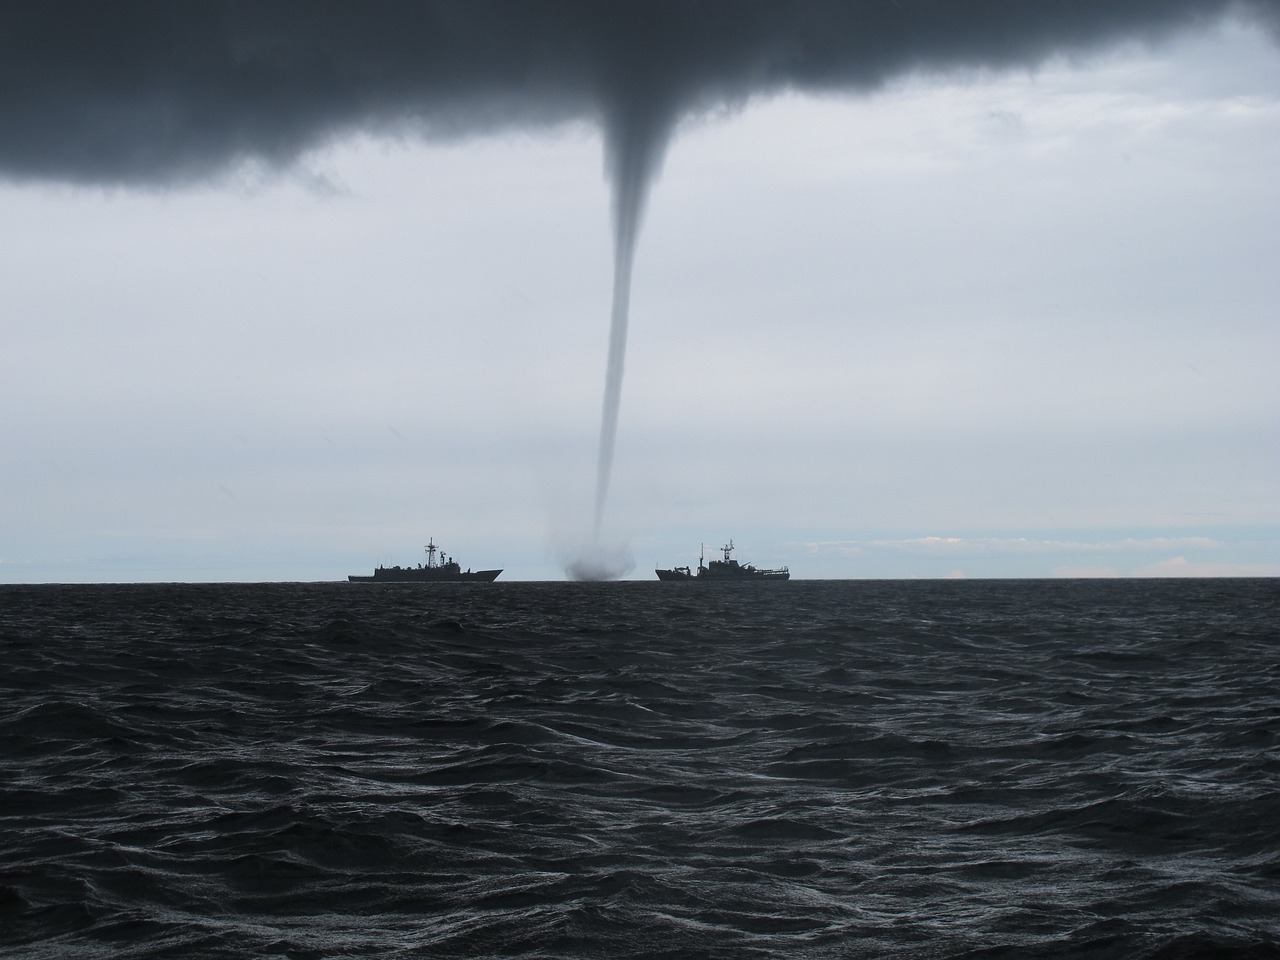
(988, 322)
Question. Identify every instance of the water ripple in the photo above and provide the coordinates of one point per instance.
(853, 769)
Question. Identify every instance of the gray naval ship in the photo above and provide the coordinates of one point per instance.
(444, 570)
(727, 569)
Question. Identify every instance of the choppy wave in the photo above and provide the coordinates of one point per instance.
(815, 769)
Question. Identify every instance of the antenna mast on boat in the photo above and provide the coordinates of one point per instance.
(431, 551)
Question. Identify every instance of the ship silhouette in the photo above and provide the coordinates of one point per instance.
(726, 569)
(444, 570)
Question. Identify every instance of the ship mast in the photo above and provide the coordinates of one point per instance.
(431, 552)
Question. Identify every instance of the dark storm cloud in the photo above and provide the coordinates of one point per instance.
(136, 92)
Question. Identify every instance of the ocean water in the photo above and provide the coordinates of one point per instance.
(808, 769)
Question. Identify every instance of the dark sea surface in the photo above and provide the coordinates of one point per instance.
(806, 769)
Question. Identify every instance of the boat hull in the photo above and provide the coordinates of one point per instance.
(751, 575)
(680, 573)
(425, 575)
(734, 575)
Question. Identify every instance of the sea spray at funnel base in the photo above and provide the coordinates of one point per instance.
(598, 561)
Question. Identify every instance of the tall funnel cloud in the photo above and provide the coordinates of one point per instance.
(635, 140)
(633, 151)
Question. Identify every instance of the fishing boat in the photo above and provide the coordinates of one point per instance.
(444, 570)
(725, 569)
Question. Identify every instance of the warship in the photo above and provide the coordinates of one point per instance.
(726, 569)
(444, 570)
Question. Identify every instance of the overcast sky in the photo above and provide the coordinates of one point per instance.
(962, 311)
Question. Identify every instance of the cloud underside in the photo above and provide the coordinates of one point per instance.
(158, 92)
